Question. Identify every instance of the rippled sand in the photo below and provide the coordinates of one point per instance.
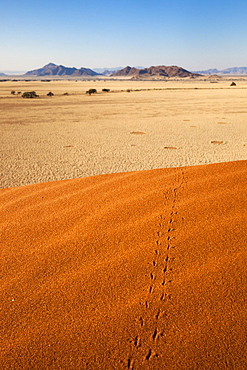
(142, 270)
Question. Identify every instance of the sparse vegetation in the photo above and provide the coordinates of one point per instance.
(50, 94)
(30, 94)
(91, 91)
(66, 93)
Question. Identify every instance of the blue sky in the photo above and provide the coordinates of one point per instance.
(192, 34)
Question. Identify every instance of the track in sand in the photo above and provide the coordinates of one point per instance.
(138, 270)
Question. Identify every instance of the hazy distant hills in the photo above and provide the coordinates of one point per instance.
(162, 71)
(158, 71)
(227, 71)
(107, 71)
(52, 69)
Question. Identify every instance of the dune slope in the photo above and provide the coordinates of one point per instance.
(139, 270)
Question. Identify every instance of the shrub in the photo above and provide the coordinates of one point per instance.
(106, 90)
(233, 84)
(91, 91)
(50, 94)
(12, 92)
(30, 94)
(65, 94)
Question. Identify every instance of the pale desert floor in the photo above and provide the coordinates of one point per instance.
(61, 137)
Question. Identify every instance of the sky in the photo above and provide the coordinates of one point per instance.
(195, 35)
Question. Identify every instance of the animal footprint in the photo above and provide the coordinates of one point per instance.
(165, 296)
(130, 363)
(150, 355)
(156, 334)
(141, 321)
(159, 314)
(136, 342)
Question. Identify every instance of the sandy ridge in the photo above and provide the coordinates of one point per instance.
(134, 270)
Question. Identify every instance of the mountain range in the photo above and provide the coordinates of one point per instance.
(159, 71)
(52, 69)
(227, 71)
(107, 71)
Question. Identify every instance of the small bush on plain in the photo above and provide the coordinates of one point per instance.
(30, 94)
(91, 91)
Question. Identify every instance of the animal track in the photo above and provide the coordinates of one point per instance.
(130, 363)
(150, 355)
(160, 277)
(159, 314)
(156, 334)
(141, 321)
(136, 342)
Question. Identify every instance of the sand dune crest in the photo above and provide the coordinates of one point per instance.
(140, 270)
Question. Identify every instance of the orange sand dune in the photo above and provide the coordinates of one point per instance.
(141, 270)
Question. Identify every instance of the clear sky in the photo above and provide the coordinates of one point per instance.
(105, 33)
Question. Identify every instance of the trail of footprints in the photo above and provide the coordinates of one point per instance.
(160, 278)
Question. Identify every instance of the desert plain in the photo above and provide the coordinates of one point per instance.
(158, 124)
(123, 225)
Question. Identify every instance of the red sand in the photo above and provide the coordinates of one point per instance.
(141, 270)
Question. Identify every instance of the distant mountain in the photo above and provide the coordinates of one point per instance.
(12, 73)
(110, 71)
(235, 71)
(107, 71)
(127, 71)
(158, 71)
(208, 72)
(227, 71)
(52, 69)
